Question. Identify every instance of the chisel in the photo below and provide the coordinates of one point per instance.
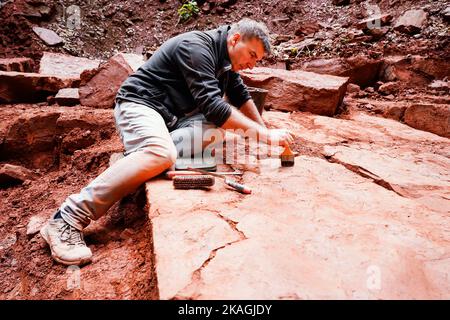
(171, 174)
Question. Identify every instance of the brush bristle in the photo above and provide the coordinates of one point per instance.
(193, 181)
(287, 161)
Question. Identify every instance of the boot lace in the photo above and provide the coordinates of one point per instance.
(71, 235)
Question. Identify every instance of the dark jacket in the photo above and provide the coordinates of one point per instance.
(189, 73)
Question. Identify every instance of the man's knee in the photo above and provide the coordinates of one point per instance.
(165, 151)
(169, 153)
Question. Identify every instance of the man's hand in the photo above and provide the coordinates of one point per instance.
(252, 129)
(281, 137)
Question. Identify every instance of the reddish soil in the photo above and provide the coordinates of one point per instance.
(141, 26)
(27, 270)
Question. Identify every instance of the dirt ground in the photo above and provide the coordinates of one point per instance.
(27, 270)
(142, 26)
(68, 147)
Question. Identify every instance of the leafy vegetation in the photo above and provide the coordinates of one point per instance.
(188, 10)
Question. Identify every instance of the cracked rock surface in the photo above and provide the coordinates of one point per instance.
(362, 214)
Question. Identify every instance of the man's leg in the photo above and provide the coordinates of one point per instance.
(149, 151)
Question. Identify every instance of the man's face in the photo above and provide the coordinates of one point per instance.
(244, 53)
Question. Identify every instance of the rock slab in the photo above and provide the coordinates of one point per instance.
(298, 90)
(99, 87)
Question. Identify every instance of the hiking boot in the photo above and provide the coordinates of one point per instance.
(66, 243)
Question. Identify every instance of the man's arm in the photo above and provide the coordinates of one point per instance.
(196, 65)
(238, 96)
(239, 121)
(250, 110)
(252, 129)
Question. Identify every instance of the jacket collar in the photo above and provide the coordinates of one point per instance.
(220, 41)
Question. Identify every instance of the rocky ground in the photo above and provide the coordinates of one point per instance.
(371, 111)
(330, 29)
(363, 214)
(67, 149)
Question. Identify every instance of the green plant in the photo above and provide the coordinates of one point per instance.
(294, 51)
(188, 10)
(344, 40)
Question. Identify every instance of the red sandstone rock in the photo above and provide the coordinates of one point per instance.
(389, 88)
(31, 133)
(48, 36)
(36, 223)
(432, 118)
(16, 64)
(62, 65)
(298, 90)
(411, 21)
(40, 135)
(68, 97)
(12, 174)
(322, 229)
(414, 70)
(307, 28)
(99, 87)
(30, 87)
(361, 70)
(353, 88)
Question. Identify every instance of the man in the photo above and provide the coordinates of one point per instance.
(182, 83)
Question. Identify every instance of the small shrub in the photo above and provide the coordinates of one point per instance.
(188, 10)
(294, 51)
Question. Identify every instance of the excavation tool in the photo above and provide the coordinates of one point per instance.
(172, 174)
(287, 157)
(235, 185)
(193, 181)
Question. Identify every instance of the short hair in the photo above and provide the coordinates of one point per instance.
(249, 28)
